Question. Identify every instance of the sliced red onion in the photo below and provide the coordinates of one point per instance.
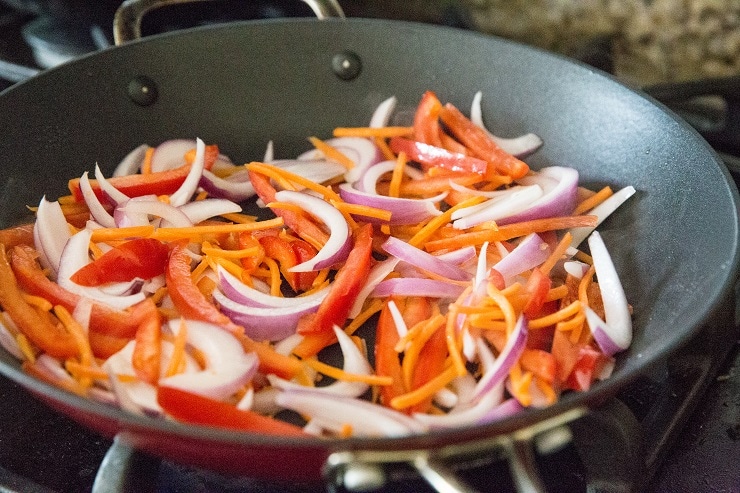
(497, 208)
(383, 112)
(363, 152)
(498, 371)
(51, 233)
(558, 200)
(423, 260)
(240, 293)
(505, 409)
(429, 288)
(618, 326)
(602, 211)
(355, 363)
(238, 191)
(114, 195)
(531, 251)
(134, 211)
(74, 257)
(459, 256)
(339, 244)
(287, 345)
(368, 182)
(378, 272)
(97, 211)
(403, 210)
(269, 152)
(228, 367)
(318, 171)
(481, 268)
(469, 416)
(171, 154)
(265, 323)
(333, 413)
(9, 342)
(575, 268)
(131, 163)
(141, 394)
(190, 185)
(200, 210)
(520, 147)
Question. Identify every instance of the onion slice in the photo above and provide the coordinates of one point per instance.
(354, 363)
(496, 373)
(423, 260)
(531, 251)
(560, 185)
(228, 368)
(403, 210)
(339, 244)
(50, 233)
(602, 211)
(618, 326)
(97, 210)
(334, 413)
(520, 147)
(429, 288)
(190, 185)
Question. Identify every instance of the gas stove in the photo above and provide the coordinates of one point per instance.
(675, 429)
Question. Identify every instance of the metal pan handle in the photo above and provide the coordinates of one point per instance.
(127, 21)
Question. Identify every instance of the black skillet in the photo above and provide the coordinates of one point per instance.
(242, 84)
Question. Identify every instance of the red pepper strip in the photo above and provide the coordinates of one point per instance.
(106, 320)
(280, 250)
(195, 409)
(39, 327)
(426, 120)
(538, 285)
(247, 240)
(17, 235)
(103, 345)
(186, 296)
(148, 349)
(432, 357)
(480, 144)
(387, 362)
(430, 156)
(304, 251)
(301, 225)
(541, 363)
(141, 257)
(347, 283)
(159, 183)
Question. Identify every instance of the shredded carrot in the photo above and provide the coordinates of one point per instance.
(146, 165)
(177, 360)
(397, 176)
(411, 354)
(593, 201)
(29, 352)
(362, 317)
(432, 226)
(239, 218)
(505, 305)
(362, 210)
(339, 374)
(80, 337)
(173, 234)
(556, 254)
(275, 280)
(509, 231)
(38, 302)
(109, 234)
(385, 149)
(428, 389)
(564, 313)
(278, 173)
(381, 132)
(332, 153)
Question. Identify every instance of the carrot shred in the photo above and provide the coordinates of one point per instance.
(593, 200)
(381, 132)
(339, 374)
(177, 360)
(332, 153)
(423, 392)
(398, 172)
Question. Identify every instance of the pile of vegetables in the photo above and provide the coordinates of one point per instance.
(446, 271)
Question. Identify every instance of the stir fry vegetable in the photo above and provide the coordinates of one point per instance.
(444, 269)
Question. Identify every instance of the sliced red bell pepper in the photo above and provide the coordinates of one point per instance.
(426, 120)
(106, 320)
(282, 252)
(186, 296)
(159, 183)
(345, 287)
(387, 362)
(148, 349)
(432, 357)
(248, 240)
(541, 363)
(430, 156)
(304, 251)
(38, 327)
(138, 258)
(103, 345)
(480, 144)
(196, 409)
(588, 364)
(17, 235)
(538, 285)
(300, 224)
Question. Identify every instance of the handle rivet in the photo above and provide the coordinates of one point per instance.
(142, 90)
(346, 65)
